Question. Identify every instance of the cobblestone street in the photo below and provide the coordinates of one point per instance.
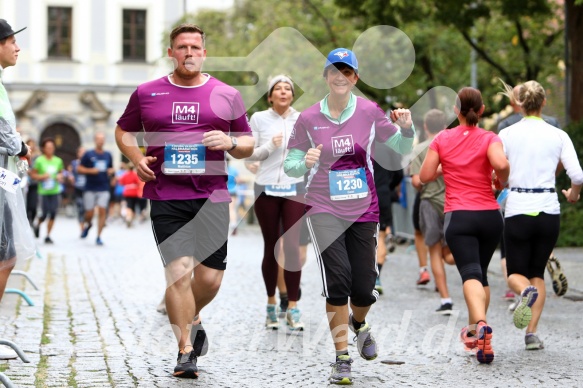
(94, 323)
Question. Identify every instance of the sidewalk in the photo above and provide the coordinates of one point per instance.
(94, 323)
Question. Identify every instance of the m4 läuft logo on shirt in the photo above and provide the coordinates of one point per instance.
(342, 145)
(185, 112)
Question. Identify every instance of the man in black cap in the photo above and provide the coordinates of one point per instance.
(12, 144)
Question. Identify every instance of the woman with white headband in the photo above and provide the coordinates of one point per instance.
(279, 201)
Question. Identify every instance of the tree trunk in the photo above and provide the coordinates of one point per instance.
(575, 36)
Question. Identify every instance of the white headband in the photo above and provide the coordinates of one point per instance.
(280, 78)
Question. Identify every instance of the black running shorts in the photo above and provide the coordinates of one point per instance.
(196, 227)
(346, 255)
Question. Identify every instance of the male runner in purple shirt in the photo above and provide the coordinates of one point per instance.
(190, 121)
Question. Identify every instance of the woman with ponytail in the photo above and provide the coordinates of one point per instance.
(467, 156)
(534, 149)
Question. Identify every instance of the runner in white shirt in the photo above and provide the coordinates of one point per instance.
(534, 149)
(279, 203)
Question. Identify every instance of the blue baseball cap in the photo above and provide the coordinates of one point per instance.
(341, 55)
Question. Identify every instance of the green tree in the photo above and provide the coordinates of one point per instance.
(238, 31)
(515, 40)
(575, 38)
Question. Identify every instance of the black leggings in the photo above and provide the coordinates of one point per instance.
(529, 243)
(273, 213)
(472, 237)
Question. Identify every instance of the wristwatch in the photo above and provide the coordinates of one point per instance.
(234, 141)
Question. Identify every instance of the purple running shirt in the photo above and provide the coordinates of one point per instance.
(174, 119)
(342, 182)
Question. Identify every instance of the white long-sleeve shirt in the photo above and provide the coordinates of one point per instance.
(534, 149)
(265, 125)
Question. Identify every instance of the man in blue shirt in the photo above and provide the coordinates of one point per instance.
(97, 165)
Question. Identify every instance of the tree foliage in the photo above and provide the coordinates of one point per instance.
(516, 40)
(237, 32)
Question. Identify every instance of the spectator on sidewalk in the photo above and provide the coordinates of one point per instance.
(12, 143)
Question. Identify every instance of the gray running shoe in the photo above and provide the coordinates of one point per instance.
(341, 371)
(523, 313)
(560, 284)
(272, 319)
(199, 340)
(186, 366)
(365, 342)
(533, 342)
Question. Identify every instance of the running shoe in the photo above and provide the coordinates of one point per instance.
(390, 243)
(532, 342)
(512, 306)
(186, 365)
(424, 278)
(272, 320)
(365, 342)
(509, 295)
(445, 309)
(162, 307)
(378, 286)
(485, 354)
(341, 371)
(48, 240)
(199, 340)
(98, 241)
(523, 313)
(470, 341)
(560, 284)
(85, 231)
(283, 303)
(293, 316)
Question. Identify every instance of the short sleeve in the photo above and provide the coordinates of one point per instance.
(299, 138)
(239, 125)
(86, 160)
(131, 119)
(435, 144)
(417, 161)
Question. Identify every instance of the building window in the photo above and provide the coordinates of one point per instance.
(134, 35)
(60, 32)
